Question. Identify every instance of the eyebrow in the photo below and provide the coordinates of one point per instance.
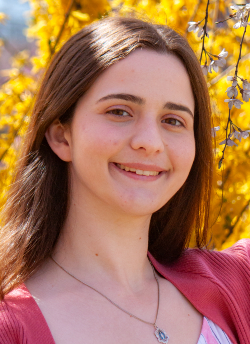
(124, 96)
(141, 101)
(174, 106)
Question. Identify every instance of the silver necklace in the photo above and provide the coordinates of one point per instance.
(160, 334)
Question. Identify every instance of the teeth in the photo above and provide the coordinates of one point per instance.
(140, 172)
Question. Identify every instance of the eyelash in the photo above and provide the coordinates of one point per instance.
(175, 119)
(112, 112)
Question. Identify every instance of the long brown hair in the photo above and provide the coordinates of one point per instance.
(38, 201)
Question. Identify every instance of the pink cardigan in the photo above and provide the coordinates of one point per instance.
(216, 283)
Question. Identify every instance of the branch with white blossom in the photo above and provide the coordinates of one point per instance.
(242, 15)
(216, 61)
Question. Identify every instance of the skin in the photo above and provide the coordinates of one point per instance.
(138, 113)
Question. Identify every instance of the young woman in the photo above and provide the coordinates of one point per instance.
(114, 177)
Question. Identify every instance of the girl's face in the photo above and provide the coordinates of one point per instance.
(131, 141)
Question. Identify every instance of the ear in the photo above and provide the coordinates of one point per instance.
(58, 138)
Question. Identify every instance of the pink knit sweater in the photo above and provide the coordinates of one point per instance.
(216, 283)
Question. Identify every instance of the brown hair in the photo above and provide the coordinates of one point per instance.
(37, 205)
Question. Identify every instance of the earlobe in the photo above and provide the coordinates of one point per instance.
(59, 140)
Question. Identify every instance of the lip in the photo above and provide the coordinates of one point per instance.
(135, 176)
(143, 167)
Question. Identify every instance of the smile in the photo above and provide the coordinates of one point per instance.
(139, 172)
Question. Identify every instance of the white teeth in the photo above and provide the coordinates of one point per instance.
(140, 172)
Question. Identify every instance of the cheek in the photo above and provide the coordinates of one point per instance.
(97, 142)
(183, 154)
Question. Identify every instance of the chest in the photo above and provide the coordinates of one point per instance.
(89, 318)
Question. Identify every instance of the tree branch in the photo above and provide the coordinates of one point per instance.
(205, 32)
(235, 75)
(225, 146)
(241, 43)
(52, 51)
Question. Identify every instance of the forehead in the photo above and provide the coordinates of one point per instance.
(155, 77)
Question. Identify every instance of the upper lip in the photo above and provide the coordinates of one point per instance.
(143, 167)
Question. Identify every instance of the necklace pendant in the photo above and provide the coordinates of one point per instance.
(161, 335)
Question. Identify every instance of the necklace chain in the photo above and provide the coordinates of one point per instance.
(113, 303)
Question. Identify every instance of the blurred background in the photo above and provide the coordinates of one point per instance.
(13, 32)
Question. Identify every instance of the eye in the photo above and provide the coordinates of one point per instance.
(173, 121)
(119, 113)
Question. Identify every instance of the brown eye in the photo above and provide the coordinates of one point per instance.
(173, 121)
(119, 113)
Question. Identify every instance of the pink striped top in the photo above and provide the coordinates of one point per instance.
(212, 334)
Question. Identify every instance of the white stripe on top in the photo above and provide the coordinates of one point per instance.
(212, 334)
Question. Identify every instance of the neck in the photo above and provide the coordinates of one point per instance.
(109, 247)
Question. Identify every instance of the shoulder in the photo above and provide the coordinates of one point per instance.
(11, 330)
(210, 262)
(217, 284)
(222, 273)
(21, 320)
(233, 262)
(229, 268)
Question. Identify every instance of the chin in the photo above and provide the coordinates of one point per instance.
(141, 208)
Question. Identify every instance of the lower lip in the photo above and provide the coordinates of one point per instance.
(135, 176)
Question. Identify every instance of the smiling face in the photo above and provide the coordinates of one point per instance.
(131, 141)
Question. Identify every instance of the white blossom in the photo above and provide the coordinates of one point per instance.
(232, 91)
(241, 134)
(193, 26)
(221, 58)
(241, 15)
(200, 32)
(246, 85)
(228, 142)
(233, 79)
(210, 69)
(204, 69)
(235, 7)
(220, 62)
(223, 53)
(213, 65)
(245, 95)
(236, 102)
(240, 11)
(237, 135)
(245, 134)
(214, 129)
(237, 25)
(241, 23)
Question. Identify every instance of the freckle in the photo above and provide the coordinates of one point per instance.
(96, 254)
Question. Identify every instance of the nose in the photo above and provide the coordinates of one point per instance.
(147, 136)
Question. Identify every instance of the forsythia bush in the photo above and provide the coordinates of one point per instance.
(219, 48)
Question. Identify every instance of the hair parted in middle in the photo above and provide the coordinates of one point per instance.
(33, 225)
